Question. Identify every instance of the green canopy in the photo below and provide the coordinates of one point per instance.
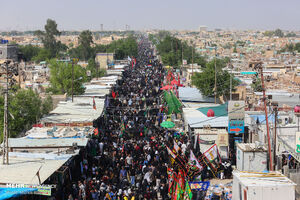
(174, 104)
(220, 110)
(167, 124)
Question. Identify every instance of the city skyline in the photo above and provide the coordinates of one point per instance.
(168, 15)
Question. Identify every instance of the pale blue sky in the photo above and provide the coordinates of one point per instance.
(142, 14)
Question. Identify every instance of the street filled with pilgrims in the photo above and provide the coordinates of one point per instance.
(137, 152)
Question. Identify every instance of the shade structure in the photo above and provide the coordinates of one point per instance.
(167, 87)
(167, 124)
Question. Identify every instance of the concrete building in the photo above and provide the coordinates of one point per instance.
(9, 51)
(103, 60)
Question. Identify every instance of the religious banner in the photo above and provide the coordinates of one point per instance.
(199, 185)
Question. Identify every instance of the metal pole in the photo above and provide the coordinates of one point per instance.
(275, 135)
(192, 58)
(266, 115)
(231, 83)
(72, 80)
(5, 131)
(215, 75)
(181, 57)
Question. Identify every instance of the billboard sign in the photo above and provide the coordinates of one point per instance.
(236, 116)
(199, 185)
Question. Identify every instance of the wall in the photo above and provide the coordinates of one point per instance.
(102, 58)
(8, 51)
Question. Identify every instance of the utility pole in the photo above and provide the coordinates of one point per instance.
(5, 130)
(192, 58)
(215, 75)
(230, 81)
(181, 57)
(74, 60)
(72, 80)
(275, 134)
(259, 65)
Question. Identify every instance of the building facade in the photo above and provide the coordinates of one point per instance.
(9, 51)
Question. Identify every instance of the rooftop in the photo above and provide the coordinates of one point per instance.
(262, 179)
(79, 111)
(197, 119)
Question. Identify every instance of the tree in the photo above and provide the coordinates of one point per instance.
(268, 33)
(85, 40)
(205, 81)
(29, 51)
(47, 105)
(278, 33)
(256, 85)
(25, 109)
(95, 72)
(44, 54)
(291, 34)
(171, 50)
(48, 37)
(61, 78)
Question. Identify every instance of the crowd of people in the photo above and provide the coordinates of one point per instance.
(128, 158)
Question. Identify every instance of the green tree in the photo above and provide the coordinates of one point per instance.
(92, 67)
(61, 78)
(205, 81)
(85, 40)
(268, 33)
(24, 110)
(291, 34)
(48, 37)
(44, 54)
(121, 48)
(278, 33)
(171, 50)
(256, 85)
(47, 105)
(29, 51)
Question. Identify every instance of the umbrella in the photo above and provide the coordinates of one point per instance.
(167, 87)
(167, 124)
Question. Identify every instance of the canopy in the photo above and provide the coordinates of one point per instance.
(167, 124)
(6, 193)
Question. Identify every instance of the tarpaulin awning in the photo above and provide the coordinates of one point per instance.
(219, 111)
(6, 193)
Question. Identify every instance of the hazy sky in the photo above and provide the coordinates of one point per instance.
(142, 14)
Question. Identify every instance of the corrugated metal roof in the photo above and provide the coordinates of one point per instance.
(23, 170)
(47, 142)
(81, 110)
(193, 94)
(197, 119)
(262, 179)
(251, 147)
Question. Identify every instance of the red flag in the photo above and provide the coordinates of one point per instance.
(96, 131)
(113, 94)
(94, 104)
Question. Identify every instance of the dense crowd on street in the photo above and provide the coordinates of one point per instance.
(128, 159)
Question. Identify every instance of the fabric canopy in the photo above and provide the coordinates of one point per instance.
(6, 193)
(166, 87)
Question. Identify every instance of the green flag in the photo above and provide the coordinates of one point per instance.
(188, 192)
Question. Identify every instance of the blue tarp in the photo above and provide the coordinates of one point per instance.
(6, 193)
(248, 73)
